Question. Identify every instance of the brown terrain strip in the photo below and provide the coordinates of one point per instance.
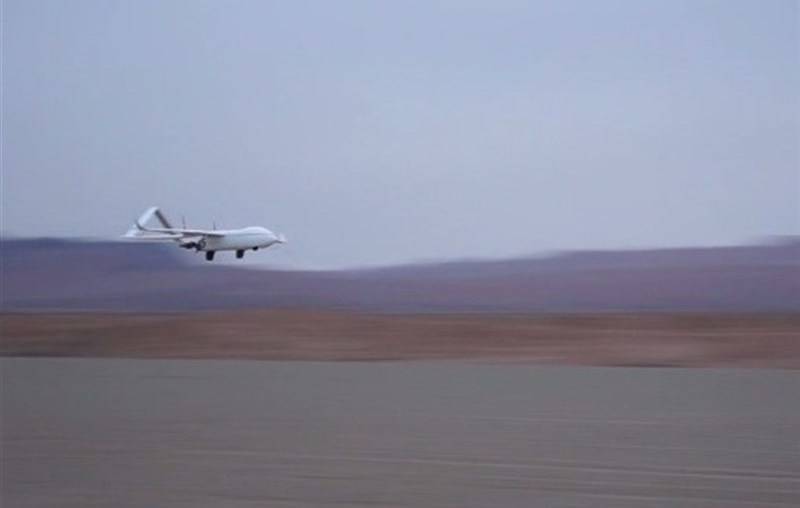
(692, 340)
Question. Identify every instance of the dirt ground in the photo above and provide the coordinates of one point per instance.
(690, 340)
(85, 432)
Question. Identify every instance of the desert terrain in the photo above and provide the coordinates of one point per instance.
(466, 384)
(685, 340)
(83, 433)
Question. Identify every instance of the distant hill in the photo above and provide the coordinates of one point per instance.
(50, 274)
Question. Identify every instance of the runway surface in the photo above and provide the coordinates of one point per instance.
(124, 433)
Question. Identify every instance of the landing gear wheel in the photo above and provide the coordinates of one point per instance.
(210, 255)
(239, 254)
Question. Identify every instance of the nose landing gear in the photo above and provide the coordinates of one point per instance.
(239, 254)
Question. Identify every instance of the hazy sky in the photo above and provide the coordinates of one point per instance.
(378, 132)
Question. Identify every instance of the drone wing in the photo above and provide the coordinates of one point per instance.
(140, 230)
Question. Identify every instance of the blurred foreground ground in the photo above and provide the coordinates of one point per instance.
(83, 433)
(696, 340)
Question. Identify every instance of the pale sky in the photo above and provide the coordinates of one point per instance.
(379, 132)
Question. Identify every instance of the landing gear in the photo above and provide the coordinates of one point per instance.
(239, 254)
(255, 248)
(210, 255)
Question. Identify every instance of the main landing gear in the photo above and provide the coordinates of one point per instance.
(210, 254)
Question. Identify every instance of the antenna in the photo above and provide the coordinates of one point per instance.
(214, 223)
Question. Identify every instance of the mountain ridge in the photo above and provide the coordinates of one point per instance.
(64, 274)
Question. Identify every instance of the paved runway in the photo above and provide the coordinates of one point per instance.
(124, 433)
